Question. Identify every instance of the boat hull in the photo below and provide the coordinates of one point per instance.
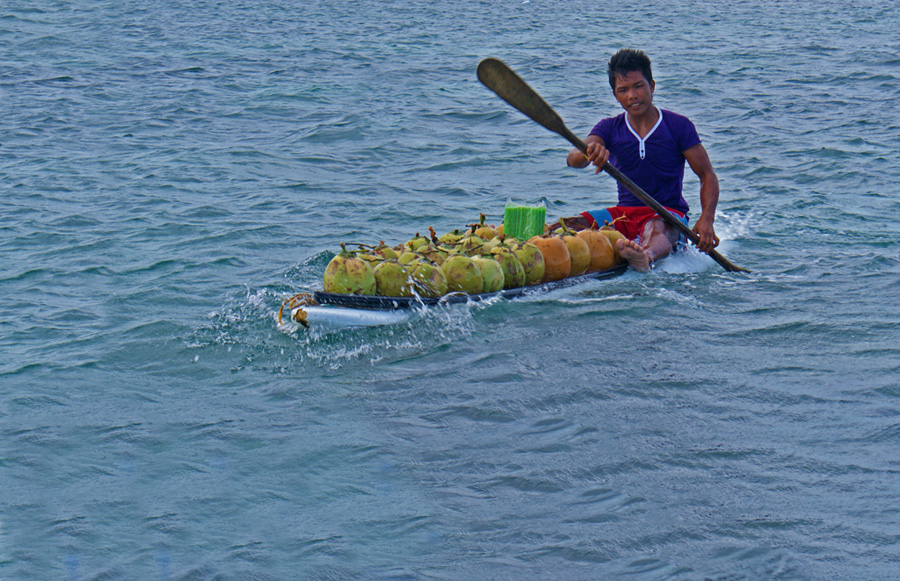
(377, 303)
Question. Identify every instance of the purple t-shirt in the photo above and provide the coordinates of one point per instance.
(655, 163)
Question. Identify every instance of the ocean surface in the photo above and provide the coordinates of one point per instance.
(171, 172)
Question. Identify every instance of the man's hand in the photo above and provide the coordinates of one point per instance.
(597, 154)
(704, 229)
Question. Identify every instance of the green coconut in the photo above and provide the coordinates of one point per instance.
(491, 244)
(532, 261)
(513, 273)
(392, 279)
(491, 273)
(428, 279)
(415, 242)
(408, 257)
(348, 274)
(462, 274)
(373, 259)
(433, 254)
(385, 251)
(470, 245)
(452, 237)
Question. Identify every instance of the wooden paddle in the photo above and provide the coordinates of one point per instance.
(511, 88)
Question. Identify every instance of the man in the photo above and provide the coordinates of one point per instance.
(650, 146)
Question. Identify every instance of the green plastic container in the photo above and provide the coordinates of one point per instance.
(523, 222)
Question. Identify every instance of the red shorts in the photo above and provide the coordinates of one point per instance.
(629, 220)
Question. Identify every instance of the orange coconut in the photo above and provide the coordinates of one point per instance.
(603, 255)
(613, 235)
(557, 263)
(579, 252)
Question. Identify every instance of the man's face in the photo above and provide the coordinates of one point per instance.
(634, 93)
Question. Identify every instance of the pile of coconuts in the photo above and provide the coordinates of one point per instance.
(474, 260)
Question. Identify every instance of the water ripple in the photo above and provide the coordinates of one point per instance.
(175, 172)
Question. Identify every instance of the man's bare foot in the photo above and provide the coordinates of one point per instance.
(636, 255)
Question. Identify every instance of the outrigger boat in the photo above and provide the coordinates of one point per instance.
(334, 310)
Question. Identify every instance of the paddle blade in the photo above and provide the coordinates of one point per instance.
(499, 78)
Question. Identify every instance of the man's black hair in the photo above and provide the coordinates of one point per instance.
(628, 60)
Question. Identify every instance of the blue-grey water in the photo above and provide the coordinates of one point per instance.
(172, 171)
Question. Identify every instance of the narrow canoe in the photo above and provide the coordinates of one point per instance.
(342, 310)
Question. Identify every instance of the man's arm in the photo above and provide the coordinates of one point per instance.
(709, 196)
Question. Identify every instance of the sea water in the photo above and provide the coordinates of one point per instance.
(172, 172)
